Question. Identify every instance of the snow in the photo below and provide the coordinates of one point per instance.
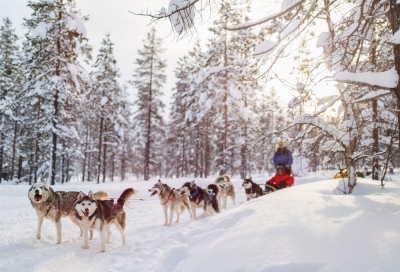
(182, 20)
(291, 29)
(264, 49)
(285, 9)
(371, 95)
(396, 37)
(40, 31)
(387, 79)
(286, 3)
(307, 227)
(323, 39)
(104, 100)
(75, 22)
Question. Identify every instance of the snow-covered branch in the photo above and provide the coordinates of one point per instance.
(387, 79)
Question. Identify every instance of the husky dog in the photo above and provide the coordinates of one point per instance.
(171, 198)
(201, 198)
(55, 204)
(225, 189)
(253, 190)
(101, 214)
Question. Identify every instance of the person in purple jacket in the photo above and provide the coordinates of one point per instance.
(283, 157)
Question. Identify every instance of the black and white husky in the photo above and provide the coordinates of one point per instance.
(226, 189)
(101, 214)
(171, 199)
(253, 190)
(54, 205)
(201, 198)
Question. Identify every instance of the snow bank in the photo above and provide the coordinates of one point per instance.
(387, 79)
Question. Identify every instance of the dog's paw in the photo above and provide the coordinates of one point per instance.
(103, 250)
(58, 242)
(85, 247)
(38, 236)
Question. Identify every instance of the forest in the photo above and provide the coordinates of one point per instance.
(60, 121)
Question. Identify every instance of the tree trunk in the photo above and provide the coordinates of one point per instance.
(85, 154)
(55, 136)
(394, 16)
(55, 115)
(224, 144)
(104, 158)
(148, 136)
(14, 150)
(100, 146)
(67, 172)
(112, 167)
(1, 159)
(197, 154)
(62, 168)
(207, 151)
(123, 167)
(351, 148)
(31, 170)
(375, 161)
(37, 144)
(243, 155)
(89, 173)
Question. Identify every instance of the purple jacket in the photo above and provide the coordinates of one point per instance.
(283, 157)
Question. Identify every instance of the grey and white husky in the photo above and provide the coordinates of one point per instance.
(100, 215)
(225, 189)
(54, 205)
(171, 199)
(201, 198)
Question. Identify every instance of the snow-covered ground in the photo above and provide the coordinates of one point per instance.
(304, 228)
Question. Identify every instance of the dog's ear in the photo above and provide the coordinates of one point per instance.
(159, 181)
(192, 182)
(46, 184)
(80, 196)
(90, 195)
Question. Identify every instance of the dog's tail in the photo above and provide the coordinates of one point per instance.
(100, 195)
(124, 198)
(227, 177)
(215, 206)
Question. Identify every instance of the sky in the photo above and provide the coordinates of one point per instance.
(128, 31)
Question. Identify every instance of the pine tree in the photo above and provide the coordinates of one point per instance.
(55, 79)
(149, 77)
(105, 96)
(10, 84)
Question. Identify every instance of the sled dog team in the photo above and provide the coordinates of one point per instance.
(96, 212)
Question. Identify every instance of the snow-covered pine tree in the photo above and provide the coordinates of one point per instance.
(11, 82)
(105, 97)
(246, 83)
(54, 77)
(149, 77)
